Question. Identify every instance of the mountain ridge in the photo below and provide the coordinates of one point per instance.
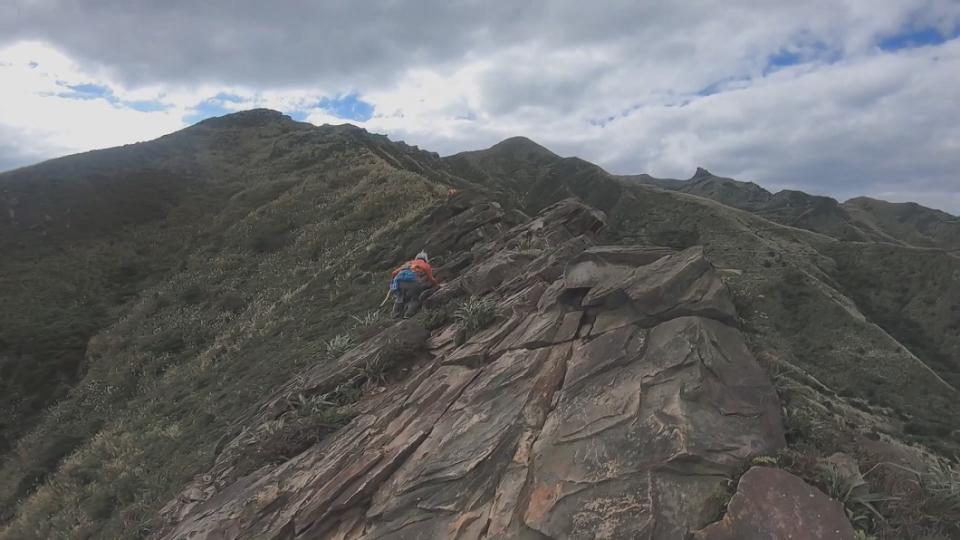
(234, 377)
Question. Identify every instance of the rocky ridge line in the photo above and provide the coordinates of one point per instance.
(613, 397)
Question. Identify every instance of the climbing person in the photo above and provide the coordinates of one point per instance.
(409, 282)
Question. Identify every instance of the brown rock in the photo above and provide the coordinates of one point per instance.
(611, 399)
(642, 421)
(600, 264)
(489, 274)
(772, 504)
(676, 285)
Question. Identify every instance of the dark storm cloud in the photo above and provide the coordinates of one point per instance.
(257, 43)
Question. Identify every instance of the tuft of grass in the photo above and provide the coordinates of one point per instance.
(767, 461)
(373, 371)
(369, 318)
(941, 488)
(475, 313)
(854, 494)
(337, 345)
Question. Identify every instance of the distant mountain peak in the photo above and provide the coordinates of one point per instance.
(522, 144)
(701, 173)
(251, 118)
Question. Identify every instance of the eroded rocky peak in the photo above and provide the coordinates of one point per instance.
(613, 396)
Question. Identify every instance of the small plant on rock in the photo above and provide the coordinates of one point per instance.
(337, 345)
(373, 371)
(855, 496)
(475, 314)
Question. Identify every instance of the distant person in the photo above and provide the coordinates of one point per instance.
(409, 282)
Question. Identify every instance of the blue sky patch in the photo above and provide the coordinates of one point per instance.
(88, 91)
(782, 58)
(223, 96)
(909, 38)
(348, 107)
(146, 106)
(731, 83)
(815, 51)
(207, 109)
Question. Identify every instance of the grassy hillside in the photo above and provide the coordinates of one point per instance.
(178, 323)
(860, 219)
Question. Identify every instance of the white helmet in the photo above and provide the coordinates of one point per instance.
(423, 257)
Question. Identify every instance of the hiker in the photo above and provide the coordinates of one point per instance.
(409, 282)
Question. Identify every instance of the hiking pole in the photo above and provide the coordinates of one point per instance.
(385, 298)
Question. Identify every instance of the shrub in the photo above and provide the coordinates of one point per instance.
(475, 314)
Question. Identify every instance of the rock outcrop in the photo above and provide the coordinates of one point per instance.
(613, 397)
(771, 503)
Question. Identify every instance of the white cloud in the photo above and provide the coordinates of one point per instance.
(620, 85)
(32, 105)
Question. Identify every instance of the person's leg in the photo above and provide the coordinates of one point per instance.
(405, 290)
(413, 302)
(397, 303)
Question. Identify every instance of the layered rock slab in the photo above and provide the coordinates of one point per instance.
(614, 401)
(647, 429)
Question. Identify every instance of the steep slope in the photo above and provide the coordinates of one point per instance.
(83, 235)
(604, 358)
(170, 325)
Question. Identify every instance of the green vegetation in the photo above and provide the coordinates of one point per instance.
(169, 329)
(337, 345)
(475, 314)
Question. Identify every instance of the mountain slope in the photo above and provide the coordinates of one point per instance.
(637, 350)
(859, 219)
(168, 321)
(909, 223)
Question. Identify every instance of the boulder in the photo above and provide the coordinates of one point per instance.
(601, 264)
(575, 216)
(772, 504)
(489, 274)
(646, 427)
(684, 283)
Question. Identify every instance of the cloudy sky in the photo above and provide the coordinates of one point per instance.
(838, 97)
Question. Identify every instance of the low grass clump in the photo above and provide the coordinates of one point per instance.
(369, 318)
(474, 314)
